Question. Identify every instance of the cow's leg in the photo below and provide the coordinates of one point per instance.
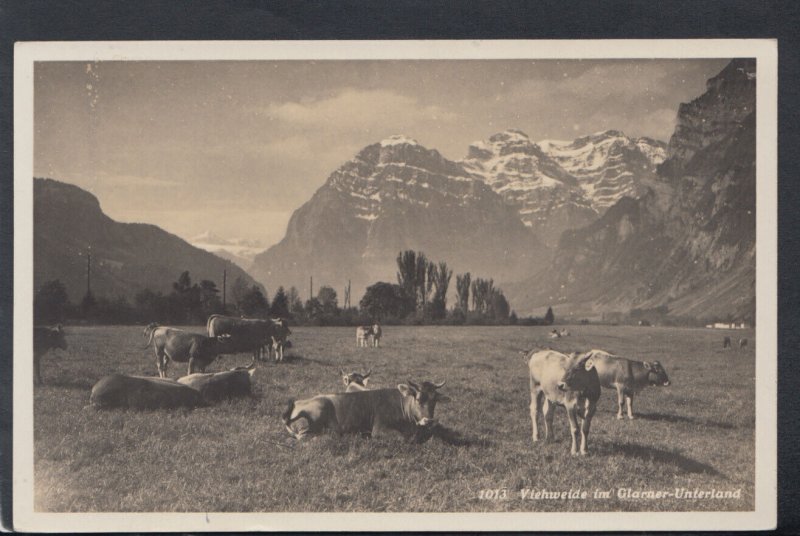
(572, 415)
(620, 402)
(161, 363)
(629, 398)
(588, 413)
(549, 412)
(535, 401)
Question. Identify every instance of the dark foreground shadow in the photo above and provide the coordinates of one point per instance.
(666, 417)
(456, 438)
(659, 456)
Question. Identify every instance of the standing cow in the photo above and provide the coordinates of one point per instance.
(627, 376)
(279, 335)
(742, 343)
(362, 335)
(726, 342)
(376, 334)
(569, 381)
(246, 334)
(181, 346)
(44, 340)
(408, 410)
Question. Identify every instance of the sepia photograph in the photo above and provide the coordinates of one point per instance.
(280, 286)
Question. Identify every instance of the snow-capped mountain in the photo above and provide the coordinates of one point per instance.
(396, 195)
(608, 165)
(242, 251)
(548, 199)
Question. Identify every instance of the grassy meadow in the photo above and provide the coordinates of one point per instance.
(237, 456)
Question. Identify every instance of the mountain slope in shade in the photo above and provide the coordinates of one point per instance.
(397, 195)
(547, 198)
(689, 241)
(126, 257)
(608, 165)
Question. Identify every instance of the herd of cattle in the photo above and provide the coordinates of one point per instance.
(573, 381)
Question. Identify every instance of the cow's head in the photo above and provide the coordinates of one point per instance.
(420, 401)
(580, 375)
(58, 337)
(656, 375)
(355, 377)
(150, 327)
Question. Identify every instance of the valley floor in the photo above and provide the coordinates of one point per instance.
(236, 457)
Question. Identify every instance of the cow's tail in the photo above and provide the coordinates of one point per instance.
(208, 325)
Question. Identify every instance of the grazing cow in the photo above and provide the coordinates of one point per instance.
(362, 335)
(569, 381)
(376, 334)
(44, 340)
(742, 343)
(408, 410)
(355, 381)
(555, 334)
(181, 346)
(142, 392)
(279, 335)
(726, 342)
(215, 386)
(627, 376)
(246, 334)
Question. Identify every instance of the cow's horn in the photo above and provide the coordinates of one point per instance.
(342, 371)
(439, 385)
(367, 374)
(412, 384)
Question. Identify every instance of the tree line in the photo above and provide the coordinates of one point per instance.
(420, 296)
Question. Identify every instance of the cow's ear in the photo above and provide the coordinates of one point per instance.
(647, 365)
(58, 328)
(366, 381)
(589, 365)
(406, 390)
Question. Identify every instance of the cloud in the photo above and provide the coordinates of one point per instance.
(352, 109)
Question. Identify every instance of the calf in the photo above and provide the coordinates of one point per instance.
(742, 343)
(569, 381)
(726, 342)
(628, 377)
(355, 381)
(142, 392)
(181, 346)
(44, 340)
(362, 335)
(214, 386)
(407, 410)
(279, 335)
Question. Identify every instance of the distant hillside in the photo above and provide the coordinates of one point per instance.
(126, 257)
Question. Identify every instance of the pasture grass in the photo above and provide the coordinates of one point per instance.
(237, 457)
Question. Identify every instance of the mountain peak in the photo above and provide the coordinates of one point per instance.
(398, 139)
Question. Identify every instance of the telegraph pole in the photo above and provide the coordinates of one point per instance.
(88, 274)
(311, 287)
(224, 287)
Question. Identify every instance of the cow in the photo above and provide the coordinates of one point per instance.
(142, 392)
(555, 334)
(279, 334)
(246, 334)
(627, 376)
(563, 333)
(726, 342)
(569, 381)
(742, 343)
(181, 346)
(214, 386)
(407, 410)
(355, 381)
(376, 334)
(44, 340)
(362, 335)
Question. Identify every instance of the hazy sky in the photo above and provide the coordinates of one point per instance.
(236, 147)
